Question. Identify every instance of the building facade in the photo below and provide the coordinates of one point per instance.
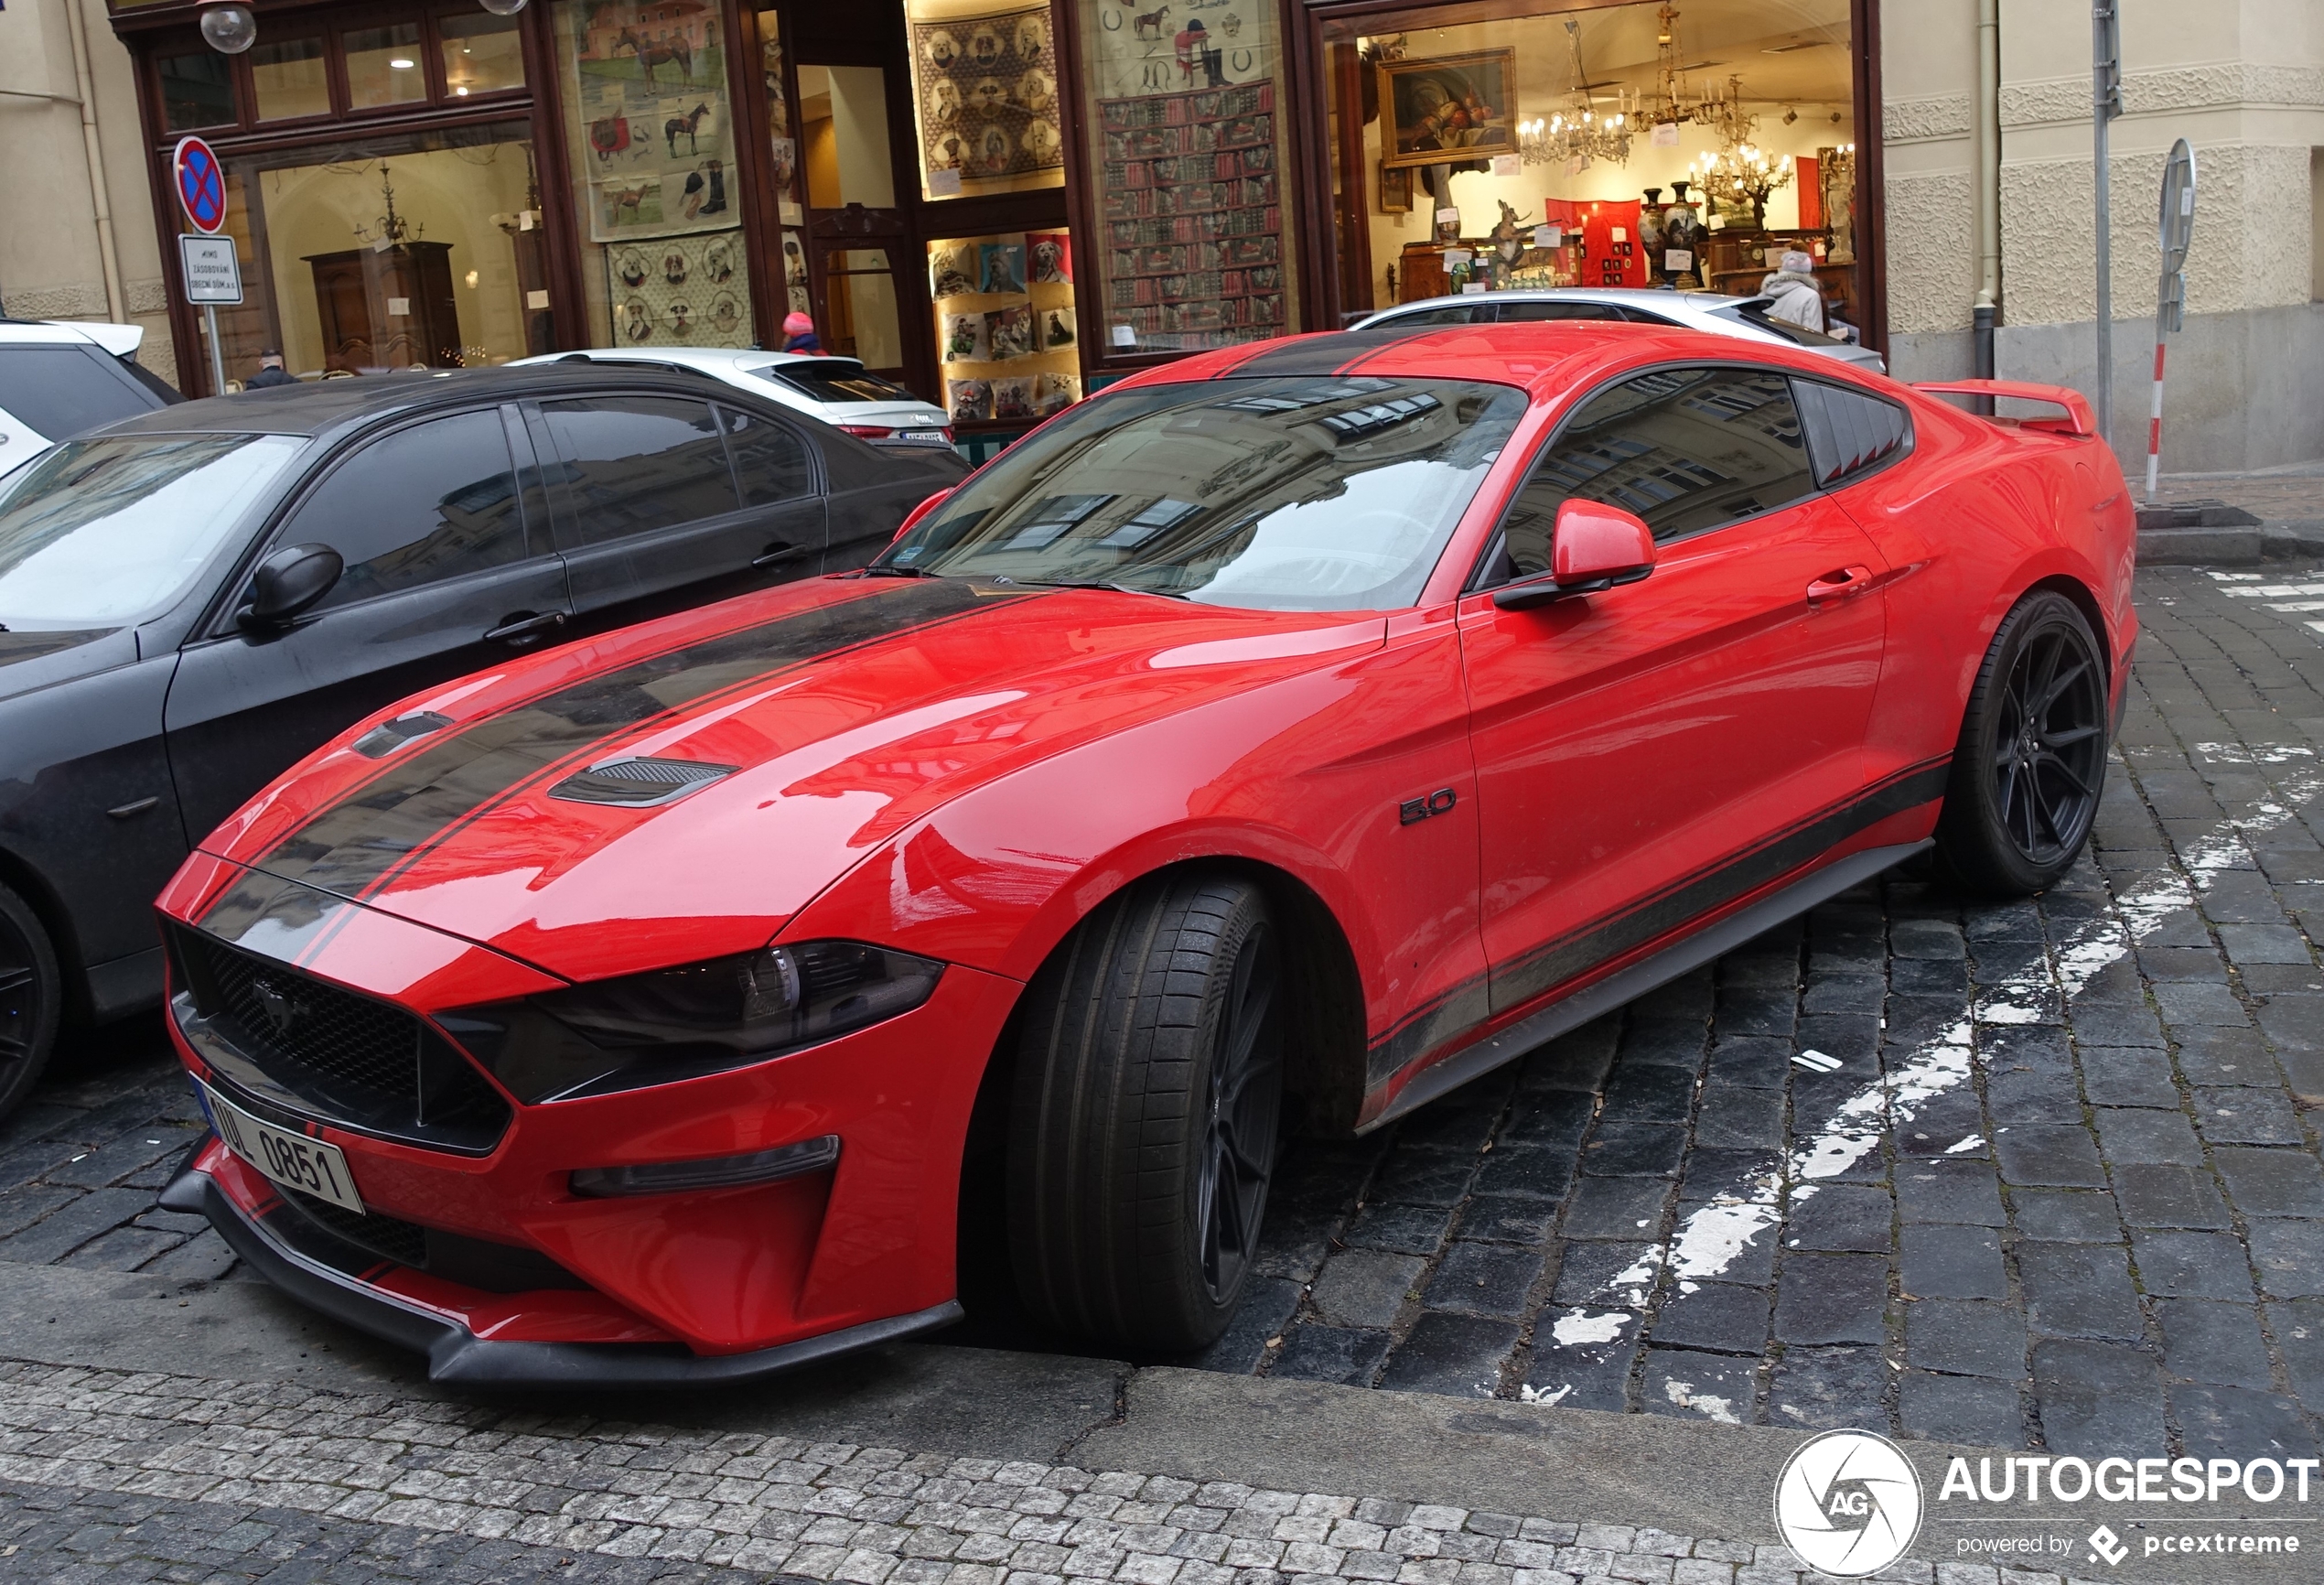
(1005, 203)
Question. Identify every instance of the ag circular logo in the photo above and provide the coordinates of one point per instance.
(1848, 1503)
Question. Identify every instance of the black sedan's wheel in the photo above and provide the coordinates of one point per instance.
(30, 993)
(2032, 758)
(1148, 1088)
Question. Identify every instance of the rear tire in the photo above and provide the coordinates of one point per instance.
(2031, 763)
(1148, 1094)
(31, 998)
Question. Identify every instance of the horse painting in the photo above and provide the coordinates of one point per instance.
(670, 49)
(683, 125)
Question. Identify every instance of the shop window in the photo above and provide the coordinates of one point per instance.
(420, 251)
(1184, 120)
(1005, 328)
(395, 538)
(649, 124)
(1613, 146)
(843, 112)
(383, 66)
(197, 90)
(288, 79)
(482, 53)
(984, 97)
(782, 151)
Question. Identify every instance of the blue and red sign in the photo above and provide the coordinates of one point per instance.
(201, 184)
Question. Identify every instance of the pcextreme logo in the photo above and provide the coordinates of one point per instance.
(1848, 1503)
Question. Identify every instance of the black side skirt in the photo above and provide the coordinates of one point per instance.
(456, 1355)
(1682, 957)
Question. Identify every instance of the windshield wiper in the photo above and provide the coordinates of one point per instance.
(1089, 583)
(886, 570)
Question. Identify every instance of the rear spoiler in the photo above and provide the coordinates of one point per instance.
(2079, 419)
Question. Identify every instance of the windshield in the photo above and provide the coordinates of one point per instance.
(101, 532)
(833, 379)
(1332, 493)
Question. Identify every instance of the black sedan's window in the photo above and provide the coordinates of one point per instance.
(770, 462)
(415, 507)
(1686, 449)
(634, 464)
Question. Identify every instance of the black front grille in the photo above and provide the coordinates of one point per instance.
(327, 1052)
(405, 1243)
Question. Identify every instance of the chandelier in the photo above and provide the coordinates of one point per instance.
(1576, 133)
(1725, 115)
(1741, 175)
(1675, 100)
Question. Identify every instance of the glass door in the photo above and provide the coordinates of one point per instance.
(859, 305)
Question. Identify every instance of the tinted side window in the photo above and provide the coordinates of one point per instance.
(633, 464)
(1428, 317)
(428, 502)
(770, 462)
(61, 391)
(1686, 449)
(1526, 313)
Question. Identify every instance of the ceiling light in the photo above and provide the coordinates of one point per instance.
(460, 92)
(399, 64)
(503, 7)
(230, 30)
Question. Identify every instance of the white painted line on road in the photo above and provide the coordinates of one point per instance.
(1816, 1062)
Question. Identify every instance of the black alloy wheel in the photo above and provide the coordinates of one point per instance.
(1142, 1131)
(2031, 763)
(30, 995)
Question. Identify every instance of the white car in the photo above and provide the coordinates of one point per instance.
(839, 390)
(1747, 317)
(59, 377)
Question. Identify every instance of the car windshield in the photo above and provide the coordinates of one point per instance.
(1326, 494)
(833, 379)
(105, 531)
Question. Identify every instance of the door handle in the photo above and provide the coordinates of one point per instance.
(777, 554)
(522, 627)
(1839, 583)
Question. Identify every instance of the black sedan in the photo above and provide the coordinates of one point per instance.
(192, 599)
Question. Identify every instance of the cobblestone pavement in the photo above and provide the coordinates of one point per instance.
(133, 1477)
(2040, 1175)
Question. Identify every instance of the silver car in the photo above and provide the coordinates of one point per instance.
(839, 390)
(1747, 317)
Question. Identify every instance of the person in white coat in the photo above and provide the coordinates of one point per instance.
(1799, 299)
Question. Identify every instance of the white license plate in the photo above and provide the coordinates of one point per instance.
(291, 1160)
(919, 435)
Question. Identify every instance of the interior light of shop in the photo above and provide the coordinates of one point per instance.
(503, 7)
(399, 64)
(229, 30)
(460, 92)
(471, 280)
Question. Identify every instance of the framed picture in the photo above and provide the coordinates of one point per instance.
(1448, 110)
(1395, 191)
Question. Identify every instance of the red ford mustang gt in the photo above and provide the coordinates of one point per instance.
(1310, 726)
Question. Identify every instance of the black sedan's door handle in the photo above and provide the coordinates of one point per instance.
(777, 554)
(523, 627)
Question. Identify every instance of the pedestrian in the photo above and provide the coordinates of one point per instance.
(271, 372)
(1799, 297)
(799, 334)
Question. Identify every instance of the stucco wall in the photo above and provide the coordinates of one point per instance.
(2243, 82)
(51, 267)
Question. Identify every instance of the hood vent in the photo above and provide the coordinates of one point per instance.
(638, 783)
(389, 736)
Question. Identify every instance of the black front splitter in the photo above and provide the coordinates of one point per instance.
(457, 1356)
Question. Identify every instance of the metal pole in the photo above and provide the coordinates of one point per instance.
(217, 352)
(2105, 49)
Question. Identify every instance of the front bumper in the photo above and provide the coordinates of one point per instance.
(455, 1353)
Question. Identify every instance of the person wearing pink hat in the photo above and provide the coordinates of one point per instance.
(799, 334)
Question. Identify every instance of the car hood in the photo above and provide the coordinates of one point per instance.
(745, 756)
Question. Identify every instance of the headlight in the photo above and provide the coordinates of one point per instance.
(700, 1017)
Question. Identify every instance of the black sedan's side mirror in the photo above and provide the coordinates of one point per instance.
(288, 582)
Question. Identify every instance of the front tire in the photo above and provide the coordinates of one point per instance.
(31, 996)
(2031, 763)
(1148, 1093)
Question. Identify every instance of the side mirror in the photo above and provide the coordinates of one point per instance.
(922, 510)
(289, 582)
(1595, 547)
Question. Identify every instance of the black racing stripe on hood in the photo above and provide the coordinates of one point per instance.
(1331, 354)
(15, 647)
(419, 802)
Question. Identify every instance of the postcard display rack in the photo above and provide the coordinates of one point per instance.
(1005, 325)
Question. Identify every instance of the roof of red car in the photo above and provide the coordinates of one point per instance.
(1540, 357)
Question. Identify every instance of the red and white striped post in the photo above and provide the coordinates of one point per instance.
(2155, 424)
(2170, 295)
